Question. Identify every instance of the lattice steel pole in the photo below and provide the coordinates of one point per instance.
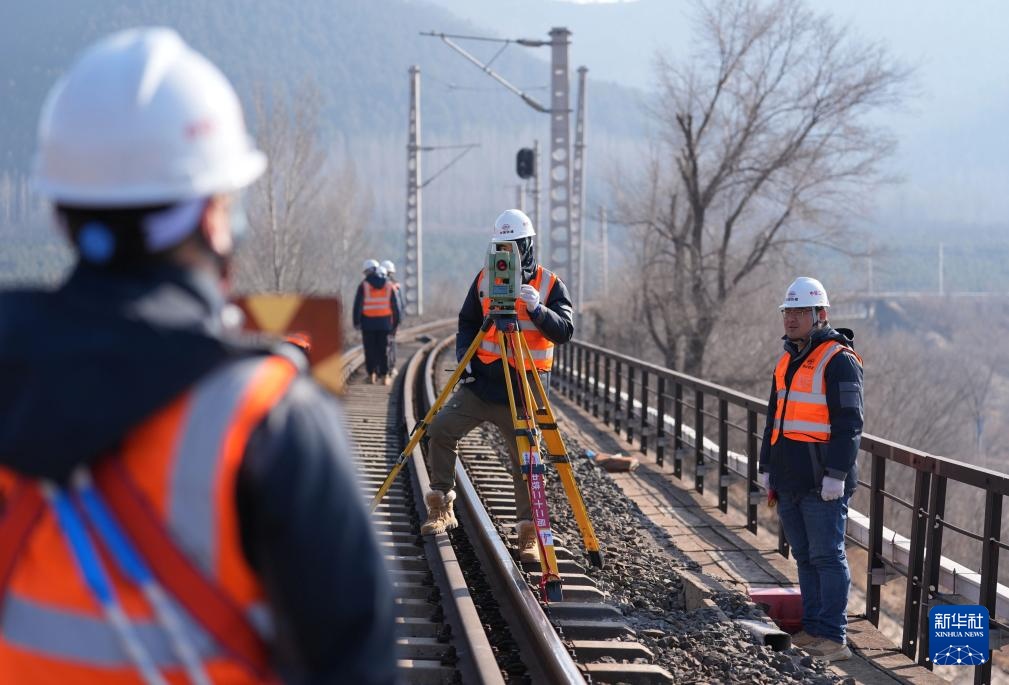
(578, 195)
(560, 238)
(414, 280)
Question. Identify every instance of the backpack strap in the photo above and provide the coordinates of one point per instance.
(202, 598)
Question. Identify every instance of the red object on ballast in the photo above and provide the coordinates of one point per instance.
(784, 605)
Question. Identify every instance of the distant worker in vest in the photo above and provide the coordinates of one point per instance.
(808, 459)
(544, 314)
(180, 500)
(390, 270)
(376, 315)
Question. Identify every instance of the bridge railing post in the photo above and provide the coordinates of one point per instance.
(617, 402)
(660, 420)
(989, 570)
(699, 465)
(607, 402)
(753, 494)
(916, 564)
(595, 384)
(629, 414)
(875, 570)
(723, 455)
(678, 429)
(933, 557)
(643, 432)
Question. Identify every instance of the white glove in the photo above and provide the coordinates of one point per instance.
(832, 489)
(531, 296)
(765, 480)
(468, 377)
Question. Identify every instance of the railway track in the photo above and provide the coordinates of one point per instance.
(442, 625)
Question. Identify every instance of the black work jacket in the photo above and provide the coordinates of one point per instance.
(84, 364)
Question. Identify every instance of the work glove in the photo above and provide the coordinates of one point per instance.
(832, 489)
(765, 480)
(531, 296)
(467, 376)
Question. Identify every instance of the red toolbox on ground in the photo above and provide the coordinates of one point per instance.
(782, 604)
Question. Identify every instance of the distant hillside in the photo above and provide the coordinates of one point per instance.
(356, 51)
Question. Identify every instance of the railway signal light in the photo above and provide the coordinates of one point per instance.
(525, 163)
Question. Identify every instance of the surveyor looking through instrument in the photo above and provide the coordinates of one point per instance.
(544, 314)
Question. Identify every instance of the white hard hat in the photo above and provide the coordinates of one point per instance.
(381, 272)
(512, 225)
(389, 266)
(142, 119)
(369, 264)
(805, 292)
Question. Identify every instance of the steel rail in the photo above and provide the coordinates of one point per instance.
(478, 663)
(529, 624)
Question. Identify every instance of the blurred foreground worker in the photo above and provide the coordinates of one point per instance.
(211, 473)
(376, 315)
(390, 270)
(808, 456)
(544, 316)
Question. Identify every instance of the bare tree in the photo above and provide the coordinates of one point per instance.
(308, 214)
(764, 139)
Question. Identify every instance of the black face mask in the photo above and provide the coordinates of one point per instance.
(527, 248)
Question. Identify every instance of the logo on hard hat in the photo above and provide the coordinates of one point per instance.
(815, 293)
(791, 296)
(506, 228)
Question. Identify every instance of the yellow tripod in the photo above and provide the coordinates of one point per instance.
(535, 421)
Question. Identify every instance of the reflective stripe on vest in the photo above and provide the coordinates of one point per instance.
(184, 462)
(377, 301)
(541, 348)
(801, 413)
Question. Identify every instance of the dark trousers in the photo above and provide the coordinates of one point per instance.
(376, 350)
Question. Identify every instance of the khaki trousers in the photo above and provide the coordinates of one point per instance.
(463, 412)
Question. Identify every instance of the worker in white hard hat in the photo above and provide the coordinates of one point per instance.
(390, 270)
(187, 500)
(376, 314)
(808, 458)
(544, 316)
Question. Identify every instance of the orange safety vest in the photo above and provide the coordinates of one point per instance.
(171, 487)
(802, 412)
(377, 301)
(540, 347)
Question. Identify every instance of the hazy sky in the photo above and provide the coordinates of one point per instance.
(954, 137)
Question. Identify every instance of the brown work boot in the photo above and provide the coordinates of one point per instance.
(529, 549)
(828, 650)
(440, 516)
(372, 378)
(803, 639)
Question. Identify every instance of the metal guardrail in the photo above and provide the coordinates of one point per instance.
(648, 402)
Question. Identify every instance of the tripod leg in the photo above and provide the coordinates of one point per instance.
(558, 455)
(528, 444)
(420, 429)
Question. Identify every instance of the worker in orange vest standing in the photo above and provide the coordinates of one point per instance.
(179, 501)
(545, 320)
(808, 457)
(376, 315)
